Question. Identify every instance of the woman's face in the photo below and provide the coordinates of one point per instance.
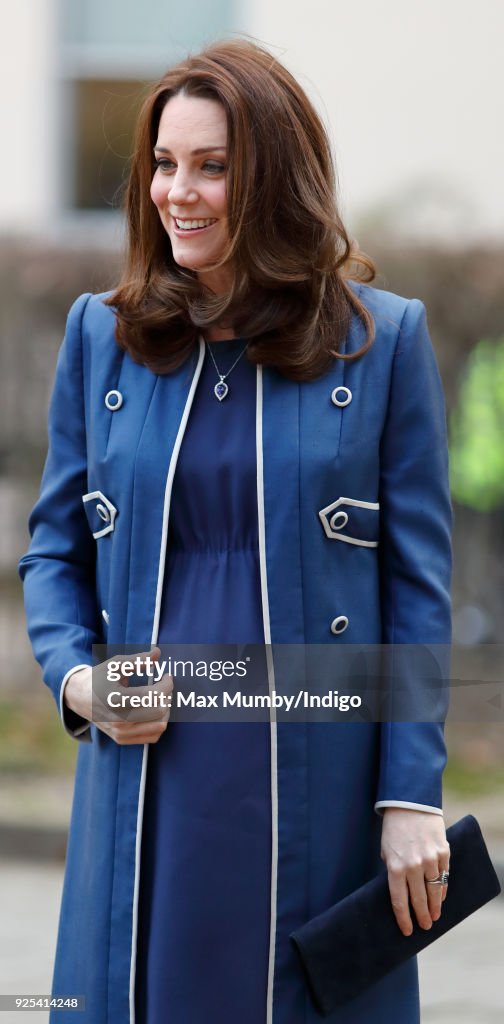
(189, 184)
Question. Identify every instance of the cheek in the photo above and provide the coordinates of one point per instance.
(157, 193)
(214, 198)
(222, 201)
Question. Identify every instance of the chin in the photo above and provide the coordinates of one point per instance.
(183, 260)
(195, 263)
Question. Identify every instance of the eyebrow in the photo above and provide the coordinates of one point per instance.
(194, 152)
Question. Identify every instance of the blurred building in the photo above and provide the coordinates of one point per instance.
(411, 94)
(73, 73)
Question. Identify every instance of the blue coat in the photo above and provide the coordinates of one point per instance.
(368, 438)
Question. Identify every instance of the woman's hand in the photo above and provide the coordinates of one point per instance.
(414, 848)
(86, 693)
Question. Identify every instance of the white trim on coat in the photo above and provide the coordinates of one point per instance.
(81, 729)
(408, 805)
(106, 511)
(332, 526)
(271, 683)
(155, 630)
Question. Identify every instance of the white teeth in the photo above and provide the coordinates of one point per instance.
(189, 225)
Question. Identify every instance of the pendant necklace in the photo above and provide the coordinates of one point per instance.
(221, 389)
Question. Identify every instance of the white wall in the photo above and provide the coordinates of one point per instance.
(413, 91)
(29, 173)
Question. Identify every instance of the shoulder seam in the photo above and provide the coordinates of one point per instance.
(408, 308)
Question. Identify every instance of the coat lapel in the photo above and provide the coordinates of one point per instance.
(154, 470)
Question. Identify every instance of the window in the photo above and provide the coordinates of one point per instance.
(109, 51)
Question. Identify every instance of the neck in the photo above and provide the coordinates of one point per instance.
(219, 334)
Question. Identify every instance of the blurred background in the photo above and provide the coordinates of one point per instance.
(412, 96)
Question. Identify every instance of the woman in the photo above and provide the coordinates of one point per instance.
(246, 446)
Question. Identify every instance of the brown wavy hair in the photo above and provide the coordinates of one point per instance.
(290, 254)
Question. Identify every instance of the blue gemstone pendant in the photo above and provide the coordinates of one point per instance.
(220, 390)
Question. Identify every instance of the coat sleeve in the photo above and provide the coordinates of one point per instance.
(415, 565)
(58, 569)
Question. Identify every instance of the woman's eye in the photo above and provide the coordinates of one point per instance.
(167, 166)
(214, 167)
(164, 165)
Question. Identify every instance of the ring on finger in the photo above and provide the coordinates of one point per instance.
(441, 879)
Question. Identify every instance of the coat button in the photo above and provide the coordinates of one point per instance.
(338, 521)
(103, 513)
(113, 400)
(339, 624)
(341, 396)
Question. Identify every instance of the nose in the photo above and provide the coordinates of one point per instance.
(181, 189)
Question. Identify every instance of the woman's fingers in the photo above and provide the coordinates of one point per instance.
(142, 661)
(409, 892)
(128, 733)
(399, 898)
(142, 703)
(419, 897)
(415, 849)
(128, 714)
(116, 698)
(436, 894)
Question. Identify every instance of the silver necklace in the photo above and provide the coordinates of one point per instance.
(221, 389)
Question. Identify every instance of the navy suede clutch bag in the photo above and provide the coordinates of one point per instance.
(357, 941)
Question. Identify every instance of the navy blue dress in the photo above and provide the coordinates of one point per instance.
(204, 911)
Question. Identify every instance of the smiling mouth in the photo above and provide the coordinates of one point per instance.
(194, 225)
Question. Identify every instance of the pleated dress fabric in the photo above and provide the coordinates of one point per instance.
(204, 906)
